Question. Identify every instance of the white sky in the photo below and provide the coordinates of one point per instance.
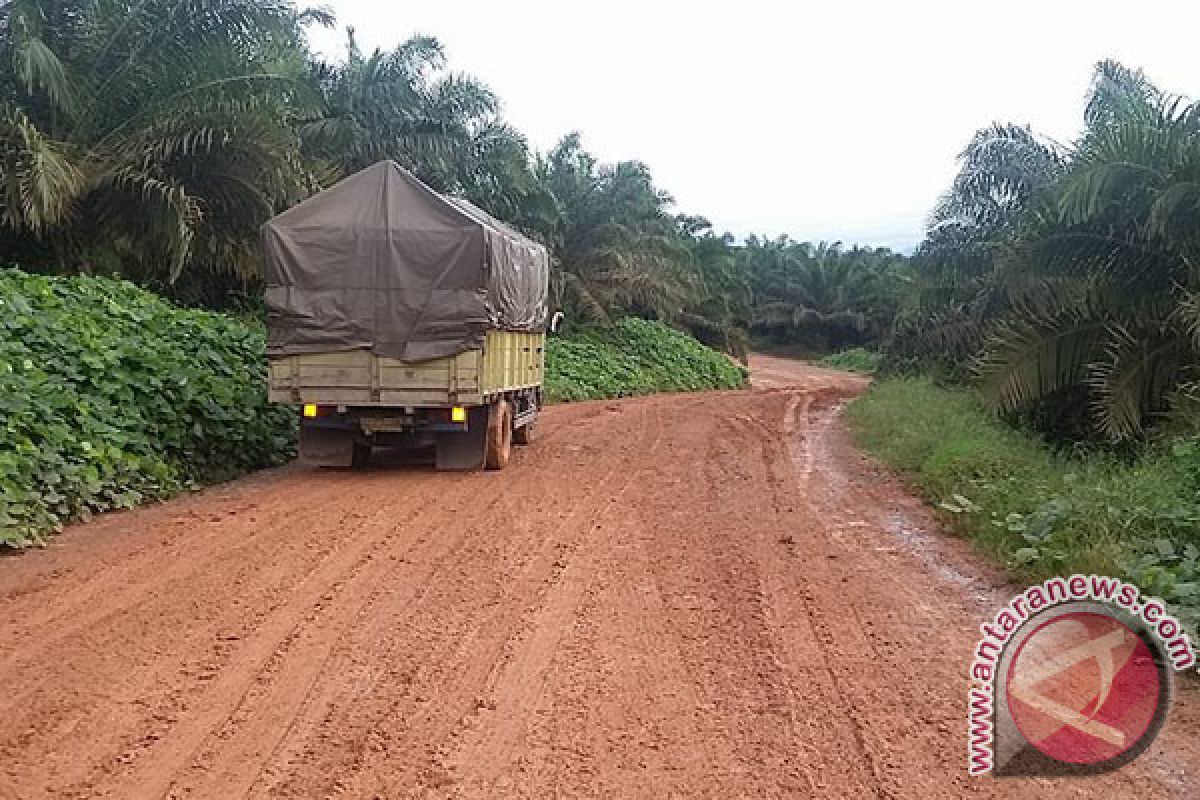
(836, 119)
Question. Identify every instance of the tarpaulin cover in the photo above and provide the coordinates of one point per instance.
(382, 262)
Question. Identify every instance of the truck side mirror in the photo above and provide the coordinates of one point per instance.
(556, 321)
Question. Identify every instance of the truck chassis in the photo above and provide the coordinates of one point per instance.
(469, 408)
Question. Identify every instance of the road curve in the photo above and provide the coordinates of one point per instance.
(706, 595)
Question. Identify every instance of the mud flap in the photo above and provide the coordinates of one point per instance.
(466, 450)
(323, 447)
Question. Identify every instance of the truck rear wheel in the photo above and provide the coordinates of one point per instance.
(499, 435)
(524, 434)
(361, 457)
(325, 447)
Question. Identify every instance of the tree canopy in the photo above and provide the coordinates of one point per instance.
(1064, 276)
(151, 138)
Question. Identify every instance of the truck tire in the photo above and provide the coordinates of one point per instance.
(499, 435)
(361, 457)
(524, 434)
(329, 449)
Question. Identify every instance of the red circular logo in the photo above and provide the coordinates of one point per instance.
(1083, 688)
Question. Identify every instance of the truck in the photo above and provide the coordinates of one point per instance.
(401, 317)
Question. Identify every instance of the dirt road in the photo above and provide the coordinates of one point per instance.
(707, 595)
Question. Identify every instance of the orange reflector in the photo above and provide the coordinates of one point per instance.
(458, 414)
(310, 410)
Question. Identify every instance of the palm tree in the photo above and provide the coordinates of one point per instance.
(1116, 245)
(405, 105)
(399, 104)
(616, 249)
(823, 295)
(719, 313)
(1073, 271)
(147, 134)
(972, 233)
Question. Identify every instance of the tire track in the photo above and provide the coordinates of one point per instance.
(481, 640)
(59, 718)
(321, 605)
(487, 754)
(267, 710)
(252, 763)
(330, 562)
(94, 602)
(674, 596)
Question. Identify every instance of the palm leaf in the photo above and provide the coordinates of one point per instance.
(39, 71)
(1035, 352)
(1132, 379)
(40, 181)
(169, 214)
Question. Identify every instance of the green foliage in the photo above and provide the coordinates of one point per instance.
(856, 359)
(1040, 512)
(822, 296)
(1063, 277)
(617, 249)
(145, 136)
(150, 140)
(634, 357)
(110, 396)
(406, 105)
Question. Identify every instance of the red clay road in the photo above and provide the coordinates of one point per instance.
(708, 595)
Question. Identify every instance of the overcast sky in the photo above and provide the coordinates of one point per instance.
(824, 120)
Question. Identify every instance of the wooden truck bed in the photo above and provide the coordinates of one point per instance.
(507, 362)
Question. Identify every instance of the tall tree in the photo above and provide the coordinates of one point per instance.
(719, 313)
(401, 104)
(616, 246)
(822, 296)
(1080, 263)
(406, 105)
(149, 134)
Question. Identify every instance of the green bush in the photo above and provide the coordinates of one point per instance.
(634, 357)
(856, 359)
(1042, 512)
(109, 396)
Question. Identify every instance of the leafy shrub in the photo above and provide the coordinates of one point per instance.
(109, 396)
(1039, 511)
(856, 359)
(634, 357)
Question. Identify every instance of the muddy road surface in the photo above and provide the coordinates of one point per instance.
(707, 595)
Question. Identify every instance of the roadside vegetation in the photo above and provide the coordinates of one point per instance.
(856, 359)
(820, 298)
(1042, 378)
(1062, 279)
(110, 396)
(634, 357)
(1038, 510)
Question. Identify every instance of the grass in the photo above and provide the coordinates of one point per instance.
(634, 357)
(1038, 511)
(856, 359)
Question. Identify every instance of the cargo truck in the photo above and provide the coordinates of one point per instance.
(398, 316)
